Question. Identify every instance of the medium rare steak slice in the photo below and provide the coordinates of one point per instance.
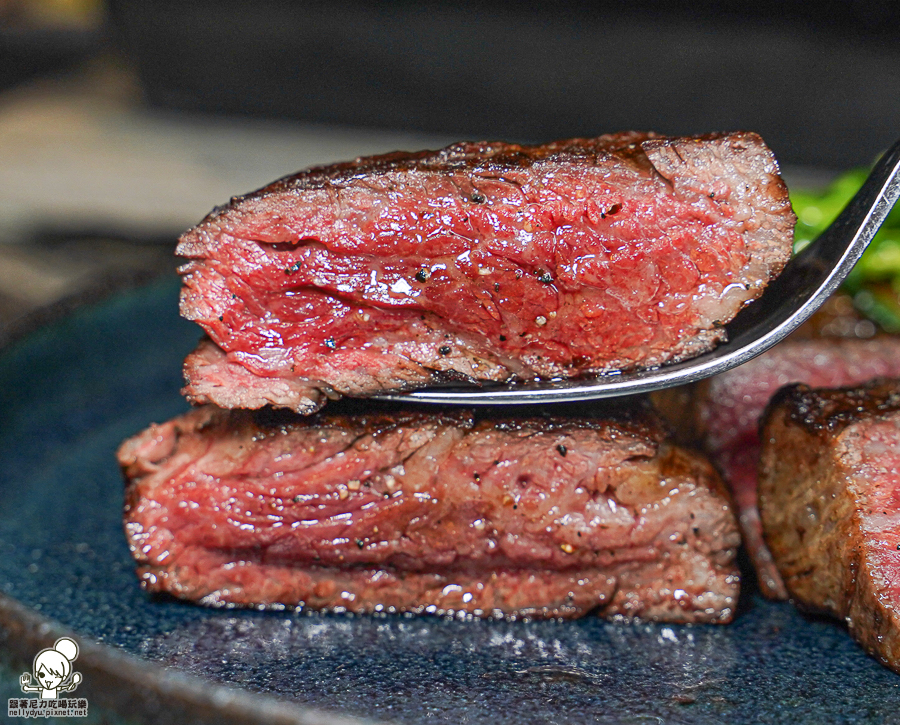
(830, 501)
(729, 406)
(545, 517)
(485, 261)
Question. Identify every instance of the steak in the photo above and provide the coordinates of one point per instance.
(431, 512)
(480, 262)
(829, 492)
(728, 408)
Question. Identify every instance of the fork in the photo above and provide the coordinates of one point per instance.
(788, 301)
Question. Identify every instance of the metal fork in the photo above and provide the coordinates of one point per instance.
(806, 282)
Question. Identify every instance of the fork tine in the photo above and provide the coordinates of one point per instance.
(789, 300)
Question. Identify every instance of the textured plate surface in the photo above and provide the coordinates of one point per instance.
(70, 392)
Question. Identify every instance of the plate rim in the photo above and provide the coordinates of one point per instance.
(123, 676)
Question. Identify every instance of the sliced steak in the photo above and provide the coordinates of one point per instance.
(407, 511)
(485, 261)
(829, 492)
(728, 408)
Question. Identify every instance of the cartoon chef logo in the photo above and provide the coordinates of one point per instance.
(52, 670)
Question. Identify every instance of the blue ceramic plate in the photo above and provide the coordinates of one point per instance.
(72, 390)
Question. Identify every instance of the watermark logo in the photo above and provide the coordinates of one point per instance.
(52, 675)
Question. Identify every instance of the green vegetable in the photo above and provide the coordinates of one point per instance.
(874, 282)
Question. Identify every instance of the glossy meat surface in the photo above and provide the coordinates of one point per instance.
(830, 503)
(438, 513)
(480, 262)
(729, 406)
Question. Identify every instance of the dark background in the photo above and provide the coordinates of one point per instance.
(820, 81)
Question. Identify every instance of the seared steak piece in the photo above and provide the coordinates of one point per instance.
(829, 492)
(728, 408)
(482, 261)
(544, 517)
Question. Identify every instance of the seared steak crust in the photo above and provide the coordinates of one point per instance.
(728, 408)
(485, 261)
(829, 492)
(430, 512)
